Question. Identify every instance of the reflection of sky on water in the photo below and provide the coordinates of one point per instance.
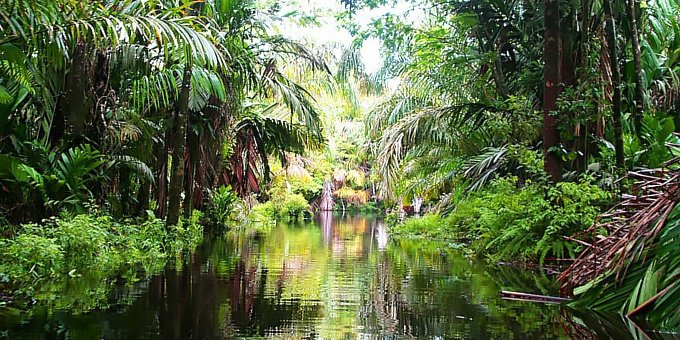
(381, 235)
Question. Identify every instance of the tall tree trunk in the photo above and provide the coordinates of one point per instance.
(189, 175)
(142, 197)
(125, 189)
(102, 90)
(161, 150)
(616, 82)
(74, 103)
(551, 135)
(637, 58)
(179, 141)
(584, 66)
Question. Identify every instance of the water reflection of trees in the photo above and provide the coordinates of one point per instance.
(418, 291)
(339, 278)
(412, 288)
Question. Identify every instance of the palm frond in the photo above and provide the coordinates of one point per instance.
(481, 169)
(136, 165)
(62, 24)
(295, 97)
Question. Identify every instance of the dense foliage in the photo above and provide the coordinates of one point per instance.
(136, 106)
(510, 123)
(589, 86)
(39, 257)
(528, 223)
(140, 104)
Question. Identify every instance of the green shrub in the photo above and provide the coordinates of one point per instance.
(430, 226)
(90, 244)
(294, 205)
(223, 208)
(281, 206)
(188, 233)
(372, 207)
(29, 258)
(509, 222)
(263, 212)
(83, 238)
(261, 217)
(358, 207)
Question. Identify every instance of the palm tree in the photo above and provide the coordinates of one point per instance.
(260, 89)
(73, 49)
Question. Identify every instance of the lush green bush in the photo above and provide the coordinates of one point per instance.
(263, 212)
(371, 207)
(91, 243)
(650, 147)
(293, 206)
(429, 225)
(30, 257)
(509, 222)
(225, 209)
(282, 205)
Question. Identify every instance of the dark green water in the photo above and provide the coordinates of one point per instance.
(335, 278)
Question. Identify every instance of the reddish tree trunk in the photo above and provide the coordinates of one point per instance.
(551, 135)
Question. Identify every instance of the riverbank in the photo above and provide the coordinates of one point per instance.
(632, 270)
(87, 252)
(507, 222)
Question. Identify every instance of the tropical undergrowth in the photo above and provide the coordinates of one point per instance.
(634, 266)
(282, 205)
(225, 210)
(40, 260)
(291, 189)
(506, 221)
(648, 286)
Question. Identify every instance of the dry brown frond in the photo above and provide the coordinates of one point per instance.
(626, 232)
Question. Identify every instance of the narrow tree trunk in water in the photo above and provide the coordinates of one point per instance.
(417, 204)
(551, 135)
(616, 82)
(637, 58)
(327, 197)
(179, 141)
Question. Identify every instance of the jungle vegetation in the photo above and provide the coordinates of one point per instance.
(513, 123)
(517, 122)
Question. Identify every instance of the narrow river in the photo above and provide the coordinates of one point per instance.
(333, 278)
